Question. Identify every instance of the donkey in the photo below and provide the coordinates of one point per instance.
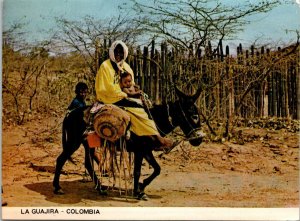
(183, 113)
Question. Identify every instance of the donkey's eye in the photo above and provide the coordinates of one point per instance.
(195, 118)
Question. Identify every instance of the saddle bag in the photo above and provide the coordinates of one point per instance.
(111, 122)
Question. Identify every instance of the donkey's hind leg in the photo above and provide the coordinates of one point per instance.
(89, 165)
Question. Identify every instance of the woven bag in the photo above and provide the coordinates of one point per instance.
(110, 122)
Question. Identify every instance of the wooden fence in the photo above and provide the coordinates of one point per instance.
(250, 84)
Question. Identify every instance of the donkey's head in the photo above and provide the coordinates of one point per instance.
(186, 116)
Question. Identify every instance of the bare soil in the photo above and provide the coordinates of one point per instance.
(263, 172)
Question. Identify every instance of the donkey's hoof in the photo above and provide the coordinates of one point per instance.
(103, 192)
(142, 196)
(59, 191)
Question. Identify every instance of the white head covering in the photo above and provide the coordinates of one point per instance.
(112, 53)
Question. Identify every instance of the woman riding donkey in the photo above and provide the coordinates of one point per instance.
(108, 91)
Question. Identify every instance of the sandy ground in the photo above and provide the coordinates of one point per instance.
(261, 173)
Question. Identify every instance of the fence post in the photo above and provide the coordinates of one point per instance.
(297, 72)
(138, 67)
(286, 90)
(163, 71)
(221, 50)
(145, 71)
(152, 71)
(157, 79)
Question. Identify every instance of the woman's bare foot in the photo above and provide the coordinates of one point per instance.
(165, 142)
(166, 145)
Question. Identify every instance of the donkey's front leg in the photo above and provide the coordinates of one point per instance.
(151, 160)
(138, 159)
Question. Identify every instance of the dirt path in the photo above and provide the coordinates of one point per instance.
(261, 173)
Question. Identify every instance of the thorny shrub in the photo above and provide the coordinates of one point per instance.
(36, 86)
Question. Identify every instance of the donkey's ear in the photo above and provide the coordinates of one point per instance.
(180, 94)
(197, 94)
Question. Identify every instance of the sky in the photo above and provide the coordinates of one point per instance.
(40, 18)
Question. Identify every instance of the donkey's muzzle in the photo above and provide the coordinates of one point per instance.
(196, 138)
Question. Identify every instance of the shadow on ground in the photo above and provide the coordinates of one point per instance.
(76, 191)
